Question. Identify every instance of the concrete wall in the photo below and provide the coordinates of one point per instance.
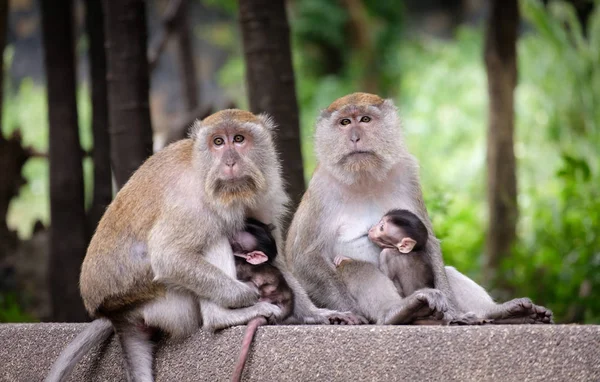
(328, 353)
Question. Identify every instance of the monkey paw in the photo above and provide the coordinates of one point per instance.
(340, 260)
(428, 304)
(270, 311)
(522, 311)
(346, 318)
(470, 318)
(332, 317)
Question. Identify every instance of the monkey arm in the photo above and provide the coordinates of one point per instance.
(216, 317)
(210, 276)
(434, 251)
(307, 313)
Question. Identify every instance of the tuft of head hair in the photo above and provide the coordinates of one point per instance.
(412, 226)
(357, 99)
(264, 237)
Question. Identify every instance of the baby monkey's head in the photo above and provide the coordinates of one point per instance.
(400, 229)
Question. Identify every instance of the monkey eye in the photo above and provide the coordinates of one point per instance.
(345, 121)
(218, 141)
(365, 119)
(381, 228)
(238, 138)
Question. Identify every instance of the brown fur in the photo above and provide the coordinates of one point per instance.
(230, 115)
(355, 99)
(161, 249)
(140, 198)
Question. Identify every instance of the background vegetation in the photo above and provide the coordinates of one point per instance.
(440, 86)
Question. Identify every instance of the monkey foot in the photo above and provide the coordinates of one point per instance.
(346, 318)
(427, 304)
(470, 319)
(523, 311)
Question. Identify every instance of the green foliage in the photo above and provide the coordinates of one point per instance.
(10, 310)
(26, 110)
(558, 258)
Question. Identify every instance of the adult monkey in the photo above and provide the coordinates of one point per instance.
(364, 171)
(163, 243)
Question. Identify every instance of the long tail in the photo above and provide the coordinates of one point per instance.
(96, 332)
(247, 341)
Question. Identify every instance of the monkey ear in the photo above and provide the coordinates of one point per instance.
(256, 257)
(388, 104)
(406, 245)
(267, 121)
(195, 129)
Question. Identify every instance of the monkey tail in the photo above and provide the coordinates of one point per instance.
(96, 332)
(246, 342)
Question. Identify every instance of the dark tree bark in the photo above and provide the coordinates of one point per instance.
(67, 211)
(94, 19)
(185, 56)
(270, 82)
(128, 85)
(501, 65)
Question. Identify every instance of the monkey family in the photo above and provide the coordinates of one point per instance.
(170, 251)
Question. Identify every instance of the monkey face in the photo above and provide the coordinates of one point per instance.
(237, 155)
(386, 234)
(359, 134)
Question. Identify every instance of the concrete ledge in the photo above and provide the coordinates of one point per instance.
(328, 353)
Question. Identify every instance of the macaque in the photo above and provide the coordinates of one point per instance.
(255, 249)
(162, 247)
(364, 171)
(402, 237)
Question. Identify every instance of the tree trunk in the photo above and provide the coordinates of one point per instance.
(67, 211)
(185, 55)
(128, 85)
(270, 82)
(101, 155)
(501, 65)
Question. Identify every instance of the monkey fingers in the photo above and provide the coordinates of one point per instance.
(428, 304)
(346, 318)
(521, 311)
(340, 260)
(470, 319)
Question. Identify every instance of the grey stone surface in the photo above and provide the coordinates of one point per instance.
(329, 353)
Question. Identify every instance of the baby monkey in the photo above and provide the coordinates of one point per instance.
(255, 250)
(402, 237)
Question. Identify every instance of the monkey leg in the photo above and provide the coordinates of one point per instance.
(472, 298)
(380, 302)
(177, 313)
(138, 349)
(520, 311)
(215, 317)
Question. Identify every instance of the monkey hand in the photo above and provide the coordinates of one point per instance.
(470, 318)
(332, 317)
(270, 311)
(240, 295)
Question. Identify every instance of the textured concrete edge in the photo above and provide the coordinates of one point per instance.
(534, 352)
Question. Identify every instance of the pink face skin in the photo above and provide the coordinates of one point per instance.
(353, 124)
(230, 146)
(387, 235)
